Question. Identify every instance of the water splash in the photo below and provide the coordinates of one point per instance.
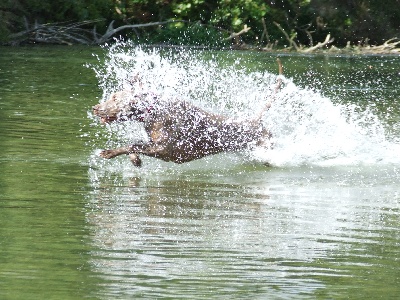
(308, 128)
(311, 129)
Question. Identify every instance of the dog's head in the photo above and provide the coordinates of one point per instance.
(125, 105)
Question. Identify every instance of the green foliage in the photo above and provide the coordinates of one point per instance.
(187, 34)
(234, 14)
(309, 21)
(358, 20)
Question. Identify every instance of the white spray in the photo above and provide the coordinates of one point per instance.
(308, 128)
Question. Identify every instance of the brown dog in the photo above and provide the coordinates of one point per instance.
(180, 132)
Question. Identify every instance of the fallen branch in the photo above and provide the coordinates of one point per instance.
(265, 32)
(111, 30)
(390, 46)
(55, 33)
(72, 33)
(327, 41)
(290, 39)
(308, 33)
(234, 35)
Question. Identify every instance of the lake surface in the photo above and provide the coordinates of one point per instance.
(321, 222)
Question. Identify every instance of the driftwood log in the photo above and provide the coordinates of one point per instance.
(292, 43)
(320, 45)
(390, 46)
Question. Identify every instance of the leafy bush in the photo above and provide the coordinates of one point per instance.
(185, 34)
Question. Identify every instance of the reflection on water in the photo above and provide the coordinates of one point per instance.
(260, 232)
(74, 226)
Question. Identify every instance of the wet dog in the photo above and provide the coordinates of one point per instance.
(179, 131)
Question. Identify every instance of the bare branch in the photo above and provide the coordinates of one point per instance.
(290, 40)
(111, 31)
(64, 33)
(237, 34)
(265, 32)
(327, 41)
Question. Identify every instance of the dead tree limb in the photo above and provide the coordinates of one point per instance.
(234, 35)
(306, 30)
(291, 41)
(265, 33)
(390, 46)
(111, 30)
(54, 33)
(327, 41)
(70, 33)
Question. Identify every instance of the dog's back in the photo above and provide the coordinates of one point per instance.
(187, 132)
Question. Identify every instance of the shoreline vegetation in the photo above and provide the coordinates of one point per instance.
(295, 26)
(77, 33)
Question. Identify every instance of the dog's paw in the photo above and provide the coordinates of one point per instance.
(107, 154)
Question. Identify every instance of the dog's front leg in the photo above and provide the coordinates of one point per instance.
(111, 153)
(149, 149)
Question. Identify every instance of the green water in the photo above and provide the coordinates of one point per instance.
(229, 229)
(43, 232)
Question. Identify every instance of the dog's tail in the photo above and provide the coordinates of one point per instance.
(277, 88)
